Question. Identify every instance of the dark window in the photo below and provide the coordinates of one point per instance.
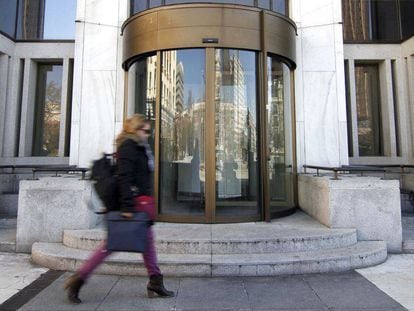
(154, 3)
(377, 20)
(69, 109)
(396, 113)
(348, 110)
(47, 110)
(264, 4)
(407, 20)
(368, 110)
(279, 6)
(8, 10)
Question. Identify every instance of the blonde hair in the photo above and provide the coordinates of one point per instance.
(130, 127)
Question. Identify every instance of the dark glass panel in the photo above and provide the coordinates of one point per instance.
(138, 6)
(368, 110)
(384, 20)
(69, 109)
(47, 110)
(279, 6)
(264, 4)
(348, 110)
(407, 18)
(154, 3)
(8, 10)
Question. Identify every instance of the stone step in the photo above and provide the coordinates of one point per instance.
(362, 254)
(243, 238)
(8, 240)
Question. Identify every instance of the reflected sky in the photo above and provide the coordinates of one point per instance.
(60, 18)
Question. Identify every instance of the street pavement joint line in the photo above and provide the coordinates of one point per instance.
(313, 291)
(107, 294)
(211, 250)
(247, 294)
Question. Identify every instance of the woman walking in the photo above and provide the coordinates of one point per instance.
(135, 164)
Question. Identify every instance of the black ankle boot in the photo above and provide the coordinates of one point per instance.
(156, 285)
(73, 284)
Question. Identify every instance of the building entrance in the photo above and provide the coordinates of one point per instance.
(223, 141)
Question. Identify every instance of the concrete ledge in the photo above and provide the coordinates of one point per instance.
(368, 204)
(51, 204)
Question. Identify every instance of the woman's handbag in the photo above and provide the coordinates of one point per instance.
(127, 234)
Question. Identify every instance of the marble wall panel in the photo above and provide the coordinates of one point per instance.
(318, 48)
(97, 115)
(321, 123)
(100, 47)
(317, 12)
(102, 12)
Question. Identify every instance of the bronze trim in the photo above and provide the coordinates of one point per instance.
(185, 25)
(263, 123)
(210, 136)
(157, 134)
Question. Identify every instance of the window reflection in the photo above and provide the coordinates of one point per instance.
(236, 132)
(279, 139)
(46, 19)
(48, 110)
(371, 20)
(368, 110)
(8, 10)
(142, 90)
(182, 169)
(280, 6)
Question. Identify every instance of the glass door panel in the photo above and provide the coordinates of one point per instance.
(181, 167)
(236, 131)
(279, 136)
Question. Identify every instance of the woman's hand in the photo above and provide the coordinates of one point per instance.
(127, 214)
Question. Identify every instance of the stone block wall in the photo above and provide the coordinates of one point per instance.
(369, 204)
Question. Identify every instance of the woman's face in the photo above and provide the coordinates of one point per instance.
(144, 132)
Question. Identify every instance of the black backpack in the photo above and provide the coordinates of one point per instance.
(103, 173)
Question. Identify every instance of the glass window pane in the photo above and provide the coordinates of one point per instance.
(142, 90)
(407, 20)
(279, 6)
(242, 2)
(264, 4)
(236, 133)
(368, 110)
(8, 10)
(47, 110)
(368, 20)
(154, 3)
(182, 169)
(60, 19)
(47, 19)
(138, 6)
(385, 20)
(279, 139)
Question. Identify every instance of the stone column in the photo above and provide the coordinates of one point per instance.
(321, 126)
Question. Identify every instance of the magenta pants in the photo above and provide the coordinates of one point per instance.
(99, 255)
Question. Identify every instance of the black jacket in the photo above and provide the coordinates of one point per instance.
(134, 175)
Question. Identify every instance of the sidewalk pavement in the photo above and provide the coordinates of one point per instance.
(384, 287)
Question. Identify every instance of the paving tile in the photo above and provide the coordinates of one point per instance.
(130, 293)
(212, 294)
(288, 292)
(54, 297)
(349, 290)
